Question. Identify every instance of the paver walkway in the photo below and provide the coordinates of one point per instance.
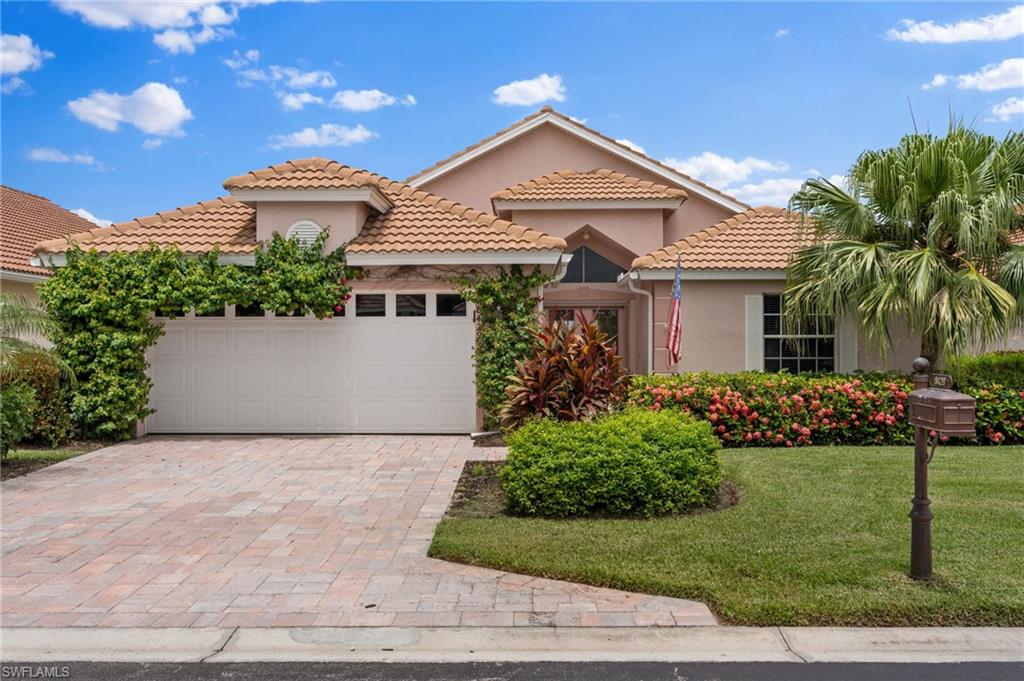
(271, 531)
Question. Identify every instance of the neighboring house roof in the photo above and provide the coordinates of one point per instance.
(596, 185)
(26, 219)
(416, 222)
(759, 238)
(572, 126)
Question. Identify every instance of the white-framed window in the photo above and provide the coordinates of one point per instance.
(306, 231)
(811, 348)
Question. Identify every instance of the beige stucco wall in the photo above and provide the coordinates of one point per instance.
(713, 315)
(547, 149)
(24, 288)
(638, 231)
(27, 289)
(343, 219)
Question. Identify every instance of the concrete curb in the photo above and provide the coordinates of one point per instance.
(527, 644)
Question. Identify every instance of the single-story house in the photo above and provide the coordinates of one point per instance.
(605, 220)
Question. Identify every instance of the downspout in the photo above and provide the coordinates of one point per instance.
(561, 267)
(633, 277)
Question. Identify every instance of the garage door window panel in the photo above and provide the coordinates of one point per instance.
(371, 305)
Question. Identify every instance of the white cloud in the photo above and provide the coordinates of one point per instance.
(240, 60)
(14, 84)
(83, 213)
(1005, 26)
(154, 108)
(19, 54)
(938, 80)
(771, 192)
(1009, 109)
(177, 41)
(327, 135)
(721, 170)
(367, 100)
(248, 73)
(170, 17)
(529, 92)
(295, 101)
(296, 79)
(632, 145)
(51, 155)
(1009, 73)
(151, 143)
(782, 33)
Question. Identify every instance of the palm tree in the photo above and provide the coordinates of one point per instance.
(923, 233)
(19, 321)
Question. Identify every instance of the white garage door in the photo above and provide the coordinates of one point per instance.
(395, 363)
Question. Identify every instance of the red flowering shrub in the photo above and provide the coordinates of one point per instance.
(755, 409)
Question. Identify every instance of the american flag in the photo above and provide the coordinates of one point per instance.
(674, 337)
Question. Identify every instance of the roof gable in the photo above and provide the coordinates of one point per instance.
(548, 116)
(305, 173)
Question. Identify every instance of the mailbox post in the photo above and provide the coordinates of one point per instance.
(935, 409)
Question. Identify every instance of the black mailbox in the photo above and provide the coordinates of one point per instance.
(947, 412)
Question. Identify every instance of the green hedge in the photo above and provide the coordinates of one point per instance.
(755, 409)
(17, 403)
(1004, 368)
(632, 462)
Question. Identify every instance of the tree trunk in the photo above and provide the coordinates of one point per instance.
(930, 349)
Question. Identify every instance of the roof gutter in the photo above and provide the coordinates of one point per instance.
(361, 259)
(61, 259)
(11, 275)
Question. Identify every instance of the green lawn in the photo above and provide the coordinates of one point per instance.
(821, 536)
(22, 461)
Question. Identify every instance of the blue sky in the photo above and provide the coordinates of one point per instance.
(123, 110)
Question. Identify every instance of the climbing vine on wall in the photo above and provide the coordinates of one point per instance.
(506, 307)
(104, 305)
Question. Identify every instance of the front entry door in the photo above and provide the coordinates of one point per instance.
(608, 320)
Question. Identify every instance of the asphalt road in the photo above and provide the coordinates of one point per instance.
(532, 671)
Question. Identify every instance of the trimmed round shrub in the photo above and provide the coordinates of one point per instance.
(629, 463)
(52, 423)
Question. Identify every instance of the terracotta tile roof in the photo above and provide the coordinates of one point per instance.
(423, 222)
(417, 222)
(26, 219)
(596, 185)
(759, 238)
(305, 173)
(224, 223)
(547, 110)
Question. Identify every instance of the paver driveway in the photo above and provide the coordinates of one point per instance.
(271, 531)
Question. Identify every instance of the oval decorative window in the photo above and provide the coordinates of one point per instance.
(305, 231)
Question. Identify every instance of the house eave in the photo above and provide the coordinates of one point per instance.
(369, 195)
(363, 259)
(593, 138)
(709, 274)
(504, 205)
(12, 275)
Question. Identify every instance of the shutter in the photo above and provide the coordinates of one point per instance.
(755, 333)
